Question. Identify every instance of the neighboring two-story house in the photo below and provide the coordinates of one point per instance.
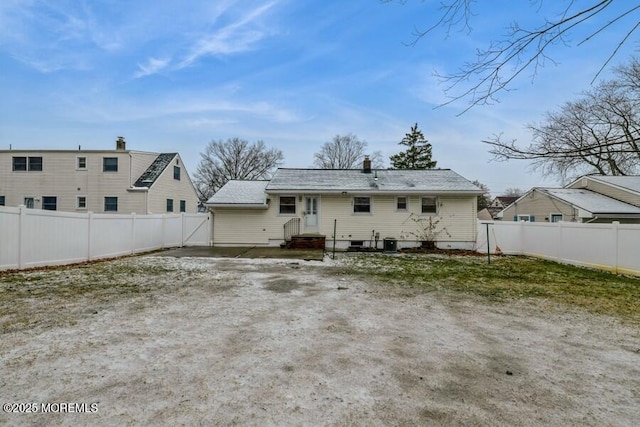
(588, 199)
(351, 208)
(104, 181)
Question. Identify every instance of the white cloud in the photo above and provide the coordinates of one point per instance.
(152, 66)
(233, 38)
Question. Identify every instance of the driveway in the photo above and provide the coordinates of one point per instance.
(162, 340)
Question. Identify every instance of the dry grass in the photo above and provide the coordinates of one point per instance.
(508, 278)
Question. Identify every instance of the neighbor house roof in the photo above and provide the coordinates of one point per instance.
(236, 193)
(153, 172)
(590, 201)
(629, 183)
(395, 181)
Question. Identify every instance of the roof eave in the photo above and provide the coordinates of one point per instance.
(237, 205)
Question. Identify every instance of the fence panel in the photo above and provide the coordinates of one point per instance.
(33, 237)
(148, 233)
(9, 237)
(613, 247)
(197, 229)
(53, 237)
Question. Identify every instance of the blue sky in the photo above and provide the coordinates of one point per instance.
(173, 75)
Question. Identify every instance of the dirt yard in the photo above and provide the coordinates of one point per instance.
(204, 341)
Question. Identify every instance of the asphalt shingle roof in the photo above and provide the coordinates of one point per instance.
(237, 192)
(379, 181)
(591, 201)
(631, 183)
(153, 172)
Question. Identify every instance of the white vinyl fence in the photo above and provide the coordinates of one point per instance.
(33, 237)
(613, 247)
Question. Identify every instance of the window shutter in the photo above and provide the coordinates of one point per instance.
(532, 218)
(515, 218)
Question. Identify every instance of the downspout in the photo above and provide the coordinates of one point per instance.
(591, 220)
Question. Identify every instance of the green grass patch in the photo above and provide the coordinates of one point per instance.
(55, 296)
(508, 277)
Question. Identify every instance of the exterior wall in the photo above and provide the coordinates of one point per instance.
(456, 220)
(607, 190)
(166, 187)
(61, 178)
(233, 227)
(541, 206)
(457, 215)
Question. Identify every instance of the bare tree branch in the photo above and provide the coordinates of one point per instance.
(496, 67)
(345, 152)
(233, 159)
(598, 133)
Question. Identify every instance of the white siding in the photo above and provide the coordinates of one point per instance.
(61, 178)
(166, 187)
(261, 227)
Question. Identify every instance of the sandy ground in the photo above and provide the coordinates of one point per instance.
(275, 342)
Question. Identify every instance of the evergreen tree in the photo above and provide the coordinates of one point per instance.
(418, 152)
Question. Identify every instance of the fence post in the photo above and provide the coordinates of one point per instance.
(559, 242)
(616, 248)
(89, 236)
(133, 233)
(182, 223)
(164, 220)
(21, 236)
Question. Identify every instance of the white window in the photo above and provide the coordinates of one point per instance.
(81, 202)
(429, 205)
(402, 203)
(556, 217)
(81, 163)
(525, 218)
(362, 204)
(288, 205)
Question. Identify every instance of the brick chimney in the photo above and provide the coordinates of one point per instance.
(121, 144)
(366, 165)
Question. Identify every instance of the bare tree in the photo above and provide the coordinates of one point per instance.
(234, 159)
(513, 192)
(598, 133)
(522, 49)
(345, 152)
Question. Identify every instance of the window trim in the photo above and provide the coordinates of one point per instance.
(104, 165)
(295, 205)
(78, 167)
(436, 203)
(45, 204)
(353, 205)
(524, 217)
(105, 204)
(78, 207)
(556, 214)
(3, 200)
(406, 204)
(13, 164)
(176, 169)
(169, 206)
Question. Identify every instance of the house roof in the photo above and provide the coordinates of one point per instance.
(378, 181)
(507, 200)
(629, 183)
(236, 193)
(591, 201)
(153, 172)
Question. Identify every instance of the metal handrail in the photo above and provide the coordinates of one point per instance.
(291, 228)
